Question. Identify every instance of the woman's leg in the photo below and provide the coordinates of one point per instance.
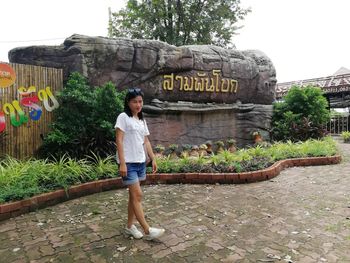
(131, 213)
(135, 198)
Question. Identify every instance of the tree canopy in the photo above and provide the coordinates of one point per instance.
(179, 22)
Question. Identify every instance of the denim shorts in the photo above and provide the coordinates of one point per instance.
(135, 172)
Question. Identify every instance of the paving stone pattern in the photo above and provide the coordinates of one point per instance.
(303, 215)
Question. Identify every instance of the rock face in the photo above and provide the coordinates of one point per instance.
(193, 123)
(200, 74)
(207, 73)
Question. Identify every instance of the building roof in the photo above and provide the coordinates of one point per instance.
(342, 71)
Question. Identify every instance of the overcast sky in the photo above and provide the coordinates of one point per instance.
(303, 38)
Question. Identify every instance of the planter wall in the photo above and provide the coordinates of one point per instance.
(16, 208)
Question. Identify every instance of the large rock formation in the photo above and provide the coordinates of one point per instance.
(219, 82)
(194, 123)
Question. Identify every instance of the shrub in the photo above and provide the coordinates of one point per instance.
(346, 136)
(84, 122)
(301, 115)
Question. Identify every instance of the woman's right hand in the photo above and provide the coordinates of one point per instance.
(123, 169)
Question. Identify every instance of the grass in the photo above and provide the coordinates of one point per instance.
(23, 179)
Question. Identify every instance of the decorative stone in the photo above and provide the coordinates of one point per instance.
(192, 93)
(197, 73)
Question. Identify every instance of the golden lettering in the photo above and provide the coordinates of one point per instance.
(202, 83)
(223, 89)
(188, 87)
(182, 81)
(234, 86)
(197, 84)
(214, 87)
(168, 83)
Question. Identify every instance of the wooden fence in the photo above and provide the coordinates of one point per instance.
(22, 141)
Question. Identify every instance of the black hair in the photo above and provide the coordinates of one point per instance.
(131, 94)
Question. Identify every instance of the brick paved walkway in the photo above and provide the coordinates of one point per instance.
(303, 215)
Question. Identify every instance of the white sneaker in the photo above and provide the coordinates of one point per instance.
(133, 231)
(154, 233)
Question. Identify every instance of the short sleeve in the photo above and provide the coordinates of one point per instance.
(121, 122)
(146, 129)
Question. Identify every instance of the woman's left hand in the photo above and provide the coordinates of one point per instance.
(154, 166)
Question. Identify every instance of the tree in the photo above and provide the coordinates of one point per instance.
(179, 22)
(301, 115)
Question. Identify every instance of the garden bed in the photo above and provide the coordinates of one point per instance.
(24, 183)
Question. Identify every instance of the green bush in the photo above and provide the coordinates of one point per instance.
(301, 116)
(84, 122)
(346, 136)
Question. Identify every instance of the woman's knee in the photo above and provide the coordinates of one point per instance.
(136, 195)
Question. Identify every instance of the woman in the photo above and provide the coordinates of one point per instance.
(132, 140)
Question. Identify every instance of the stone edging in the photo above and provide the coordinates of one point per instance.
(16, 208)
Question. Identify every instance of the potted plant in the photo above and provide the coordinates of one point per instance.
(159, 150)
(185, 150)
(209, 145)
(172, 149)
(203, 150)
(257, 137)
(231, 145)
(220, 146)
(194, 151)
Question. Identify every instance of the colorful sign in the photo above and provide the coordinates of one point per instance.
(7, 76)
(30, 100)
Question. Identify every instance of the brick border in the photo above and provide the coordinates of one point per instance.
(17, 208)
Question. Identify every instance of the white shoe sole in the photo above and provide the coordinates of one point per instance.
(146, 237)
(130, 234)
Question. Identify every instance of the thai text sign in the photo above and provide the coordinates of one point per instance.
(201, 82)
(30, 100)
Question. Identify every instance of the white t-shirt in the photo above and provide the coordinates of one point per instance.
(135, 131)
